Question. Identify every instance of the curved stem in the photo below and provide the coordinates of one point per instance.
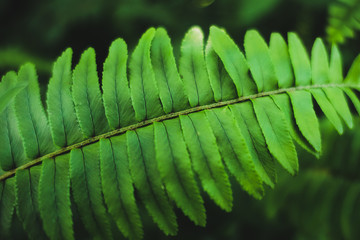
(119, 131)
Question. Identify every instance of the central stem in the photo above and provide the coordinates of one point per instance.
(162, 118)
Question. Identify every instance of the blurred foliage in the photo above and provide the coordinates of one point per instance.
(313, 205)
(12, 58)
(344, 19)
(45, 28)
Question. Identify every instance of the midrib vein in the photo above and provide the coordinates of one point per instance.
(119, 131)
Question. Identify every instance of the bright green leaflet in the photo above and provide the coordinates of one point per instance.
(54, 198)
(144, 172)
(299, 60)
(284, 103)
(9, 88)
(206, 159)
(335, 70)
(337, 99)
(233, 60)
(320, 75)
(276, 133)
(7, 206)
(117, 186)
(115, 86)
(281, 60)
(144, 92)
(220, 81)
(171, 87)
(175, 168)
(87, 192)
(64, 127)
(87, 96)
(33, 124)
(193, 70)
(27, 208)
(353, 75)
(259, 61)
(305, 117)
(234, 150)
(319, 63)
(350, 93)
(12, 150)
(255, 141)
(327, 108)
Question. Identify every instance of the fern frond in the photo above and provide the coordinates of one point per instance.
(154, 130)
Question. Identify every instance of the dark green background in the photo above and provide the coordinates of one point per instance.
(40, 30)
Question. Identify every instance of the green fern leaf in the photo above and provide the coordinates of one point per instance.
(12, 151)
(276, 133)
(234, 150)
(87, 191)
(116, 93)
(175, 169)
(300, 60)
(156, 136)
(353, 73)
(7, 206)
(337, 99)
(121, 201)
(261, 66)
(27, 204)
(171, 88)
(9, 88)
(233, 60)
(319, 63)
(145, 174)
(87, 96)
(193, 70)
(64, 127)
(33, 123)
(281, 60)
(264, 163)
(284, 103)
(336, 73)
(54, 198)
(144, 92)
(321, 75)
(220, 81)
(353, 98)
(206, 162)
(306, 118)
(327, 108)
